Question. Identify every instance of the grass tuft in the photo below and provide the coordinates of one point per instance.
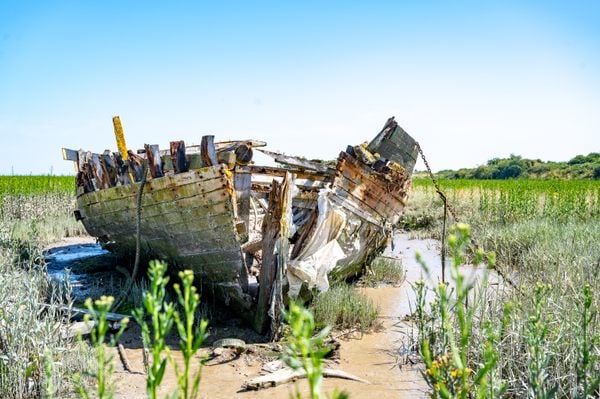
(384, 270)
(342, 306)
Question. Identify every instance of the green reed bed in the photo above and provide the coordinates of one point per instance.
(38, 208)
(545, 236)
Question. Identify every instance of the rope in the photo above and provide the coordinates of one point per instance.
(449, 208)
(138, 228)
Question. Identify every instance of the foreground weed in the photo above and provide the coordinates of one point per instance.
(98, 311)
(588, 375)
(536, 333)
(305, 351)
(154, 332)
(190, 338)
(446, 335)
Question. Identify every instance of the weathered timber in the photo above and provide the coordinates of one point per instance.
(394, 144)
(299, 172)
(285, 375)
(120, 137)
(154, 161)
(136, 168)
(180, 164)
(110, 168)
(187, 218)
(208, 152)
(122, 169)
(70, 155)
(99, 176)
(275, 230)
(299, 162)
(243, 184)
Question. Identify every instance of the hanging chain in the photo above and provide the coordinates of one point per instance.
(452, 211)
(437, 186)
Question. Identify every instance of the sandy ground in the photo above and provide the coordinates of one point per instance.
(380, 357)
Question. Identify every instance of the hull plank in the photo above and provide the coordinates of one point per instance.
(188, 219)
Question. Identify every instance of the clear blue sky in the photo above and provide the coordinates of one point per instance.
(469, 80)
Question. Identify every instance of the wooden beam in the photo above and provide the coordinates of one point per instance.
(208, 152)
(275, 232)
(180, 164)
(154, 161)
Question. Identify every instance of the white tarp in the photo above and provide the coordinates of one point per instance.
(322, 252)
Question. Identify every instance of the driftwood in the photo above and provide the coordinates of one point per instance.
(125, 360)
(286, 375)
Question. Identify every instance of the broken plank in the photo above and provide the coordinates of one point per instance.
(298, 161)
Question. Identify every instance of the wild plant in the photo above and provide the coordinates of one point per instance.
(98, 313)
(447, 337)
(306, 351)
(536, 333)
(191, 337)
(588, 360)
(154, 332)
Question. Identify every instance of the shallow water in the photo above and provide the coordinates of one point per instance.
(86, 264)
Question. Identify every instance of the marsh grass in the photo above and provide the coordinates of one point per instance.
(383, 270)
(343, 306)
(36, 357)
(32, 341)
(545, 236)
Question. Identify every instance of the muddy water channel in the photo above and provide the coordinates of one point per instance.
(384, 358)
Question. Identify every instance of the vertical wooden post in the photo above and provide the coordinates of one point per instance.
(275, 231)
(242, 182)
(180, 163)
(120, 137)
(208, 152)
(154, 161)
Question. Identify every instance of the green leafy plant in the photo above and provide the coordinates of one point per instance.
(588, 374)
(191, 337)
(306, 351)
(536, 333)
(446, 333)
(98, 312)
(155, 331)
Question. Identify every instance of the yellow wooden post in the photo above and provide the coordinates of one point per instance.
(120, 136)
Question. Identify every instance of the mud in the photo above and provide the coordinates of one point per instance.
(384, 357)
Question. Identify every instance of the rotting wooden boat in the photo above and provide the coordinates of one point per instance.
(253, 234)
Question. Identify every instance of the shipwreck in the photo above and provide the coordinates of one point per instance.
(254, 235)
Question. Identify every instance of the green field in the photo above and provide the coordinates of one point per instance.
(32, 185)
